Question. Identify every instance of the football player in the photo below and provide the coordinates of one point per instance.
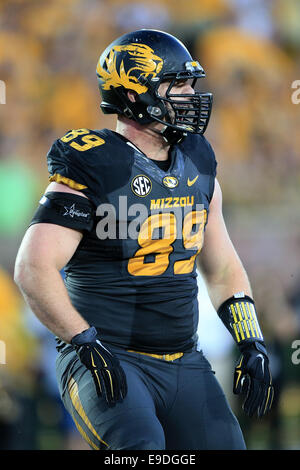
(129, 213)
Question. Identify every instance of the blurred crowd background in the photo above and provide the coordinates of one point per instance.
(250, 50)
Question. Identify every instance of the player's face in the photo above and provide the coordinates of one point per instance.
(180, 87)
(178, 90)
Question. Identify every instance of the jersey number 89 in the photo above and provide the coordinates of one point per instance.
(163, 247)
(90, 140)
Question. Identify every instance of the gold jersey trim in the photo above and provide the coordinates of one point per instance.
(67, 181)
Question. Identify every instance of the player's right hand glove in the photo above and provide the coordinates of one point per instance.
(252, 376)
(108, 375)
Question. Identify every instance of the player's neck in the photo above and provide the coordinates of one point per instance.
(151, 144)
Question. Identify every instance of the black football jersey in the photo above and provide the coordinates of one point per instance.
(133, 276)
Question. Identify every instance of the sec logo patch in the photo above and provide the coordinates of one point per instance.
(170, 181)
(141, 185)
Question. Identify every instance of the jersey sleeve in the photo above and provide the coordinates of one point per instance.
(72, 160)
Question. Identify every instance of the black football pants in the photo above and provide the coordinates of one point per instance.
(175, 405)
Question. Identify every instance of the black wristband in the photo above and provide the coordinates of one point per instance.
(238, 314)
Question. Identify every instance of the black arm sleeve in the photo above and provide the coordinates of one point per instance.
(66, 209)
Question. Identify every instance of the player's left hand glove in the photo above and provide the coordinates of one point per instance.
(252, 376)
(109, 376)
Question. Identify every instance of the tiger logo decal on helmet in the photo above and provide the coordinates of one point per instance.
(144, 64)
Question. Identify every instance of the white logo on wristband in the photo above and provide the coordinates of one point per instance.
(239, 295)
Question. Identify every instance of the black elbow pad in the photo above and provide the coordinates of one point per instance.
(66, 209)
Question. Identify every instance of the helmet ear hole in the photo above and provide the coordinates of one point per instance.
(132, 96)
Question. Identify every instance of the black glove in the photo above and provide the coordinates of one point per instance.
(252, 376)
(108, 375)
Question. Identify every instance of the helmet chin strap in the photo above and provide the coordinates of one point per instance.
(170, 135)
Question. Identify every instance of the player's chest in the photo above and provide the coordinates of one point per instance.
(149, 188)
(154, 204)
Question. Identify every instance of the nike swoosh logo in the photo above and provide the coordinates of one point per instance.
(191, 182)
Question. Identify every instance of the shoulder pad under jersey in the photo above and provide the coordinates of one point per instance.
(199, 150)
(74, 160)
